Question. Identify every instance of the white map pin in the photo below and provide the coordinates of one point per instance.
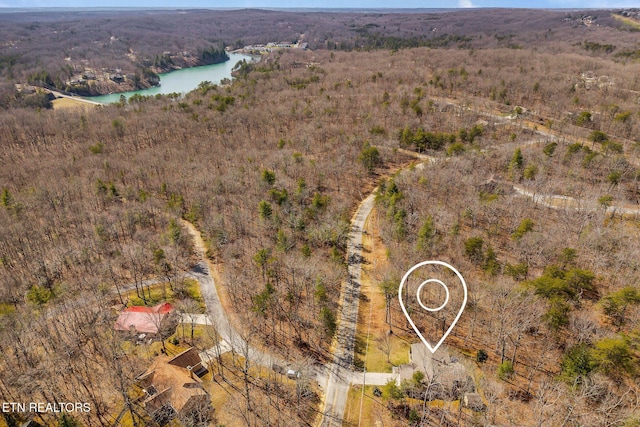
(418, 297)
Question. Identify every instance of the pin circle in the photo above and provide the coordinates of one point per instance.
(446, 299)
(432, 348)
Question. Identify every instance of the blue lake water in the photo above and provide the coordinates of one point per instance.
(181, 81)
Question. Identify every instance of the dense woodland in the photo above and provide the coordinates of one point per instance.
(553, 300)
(270, 170)
(56, 48)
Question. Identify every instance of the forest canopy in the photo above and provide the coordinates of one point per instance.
(512, 160)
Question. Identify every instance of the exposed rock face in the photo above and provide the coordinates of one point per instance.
(140, 75)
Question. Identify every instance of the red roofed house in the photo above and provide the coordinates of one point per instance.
(141, 319)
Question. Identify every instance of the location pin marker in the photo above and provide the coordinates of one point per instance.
(428, 298)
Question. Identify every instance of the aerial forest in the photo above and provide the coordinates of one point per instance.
(514, 157)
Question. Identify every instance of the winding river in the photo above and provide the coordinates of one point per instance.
(181, 81)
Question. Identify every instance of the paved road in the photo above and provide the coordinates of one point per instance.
(336, 377)
(216, 313)
(554, 201)
(340, 372)
(372, 378)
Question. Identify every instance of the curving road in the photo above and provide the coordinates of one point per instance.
(216, 313)
(337, 377)
(341, 374)
(554, 201)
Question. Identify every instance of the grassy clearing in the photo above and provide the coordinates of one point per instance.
(6, 309)
(161, 292)
(203, 338)
(376, 360)
(367, 409)
(149, 351)
(627, 21)
(354, 402)
(70, 104)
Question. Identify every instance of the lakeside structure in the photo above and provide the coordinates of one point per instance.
(262, 49)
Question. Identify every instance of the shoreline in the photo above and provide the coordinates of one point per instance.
(165, 89)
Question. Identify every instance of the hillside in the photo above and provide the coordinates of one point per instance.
(129, 48)
(531, 190)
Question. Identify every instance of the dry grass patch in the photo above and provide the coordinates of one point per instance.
(70, 104)
(203, 338)
(161, 292)
(380, 350)
(365, 409)
(627, 21)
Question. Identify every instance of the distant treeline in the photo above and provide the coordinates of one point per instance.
(65, 45)
(379, 41)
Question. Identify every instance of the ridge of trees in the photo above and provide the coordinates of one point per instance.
(91, 199)
(166, 40)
